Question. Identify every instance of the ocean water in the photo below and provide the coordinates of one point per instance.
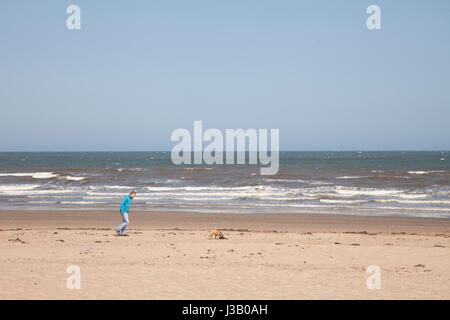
(360, 183)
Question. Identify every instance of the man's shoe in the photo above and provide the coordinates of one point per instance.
(124, 235)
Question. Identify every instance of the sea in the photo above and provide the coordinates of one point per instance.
(356, 183)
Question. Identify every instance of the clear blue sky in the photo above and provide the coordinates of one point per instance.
(139, 69)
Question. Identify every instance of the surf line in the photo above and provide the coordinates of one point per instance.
(236, 141)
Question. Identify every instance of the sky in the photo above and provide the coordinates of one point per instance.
(137, 70)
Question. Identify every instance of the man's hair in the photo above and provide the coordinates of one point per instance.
(133, 192)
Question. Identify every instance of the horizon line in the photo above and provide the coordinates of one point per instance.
(142, 151)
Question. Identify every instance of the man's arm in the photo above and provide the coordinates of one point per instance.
(125, 205)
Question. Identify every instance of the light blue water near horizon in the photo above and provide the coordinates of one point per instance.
(397, 183)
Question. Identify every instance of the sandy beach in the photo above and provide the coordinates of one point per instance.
(264, 256)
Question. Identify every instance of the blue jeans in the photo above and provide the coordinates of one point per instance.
(124, 224)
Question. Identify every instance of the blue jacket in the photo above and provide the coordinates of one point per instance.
(125, 205)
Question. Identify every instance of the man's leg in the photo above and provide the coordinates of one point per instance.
(124, 224)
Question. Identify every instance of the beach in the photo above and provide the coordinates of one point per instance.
(264, 256)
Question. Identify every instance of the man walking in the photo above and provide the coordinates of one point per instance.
(125, 210)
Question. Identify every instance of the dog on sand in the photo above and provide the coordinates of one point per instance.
(216, 234)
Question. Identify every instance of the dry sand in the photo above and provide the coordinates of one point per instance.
(265, 256)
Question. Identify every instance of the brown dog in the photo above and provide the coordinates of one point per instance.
(216, 233)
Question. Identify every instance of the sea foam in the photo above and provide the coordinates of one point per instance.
(34, 175)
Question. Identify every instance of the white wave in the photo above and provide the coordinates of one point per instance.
(70, 178)
(414, 209)
(351, 177)
(319, 183)
(285, 180)
(31, 192)
(194, 198)
(425, 172)
(187, 193)
(106, 194)
(203, 196)
(347, 191)
(172, 181)
(42, 201)
(34, 175)
(110, 187)
(415, 201)
(43, 196)
(413, 196)
(17, 187)
(212, 188)
(84, 202)
(293, 205)
(342, 201)
(104, 198)
(418, 172)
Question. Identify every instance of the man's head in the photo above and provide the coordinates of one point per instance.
(132, 194)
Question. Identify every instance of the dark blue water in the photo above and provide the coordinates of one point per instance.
(362, 183)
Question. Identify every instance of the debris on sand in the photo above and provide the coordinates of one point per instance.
(17, 240)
